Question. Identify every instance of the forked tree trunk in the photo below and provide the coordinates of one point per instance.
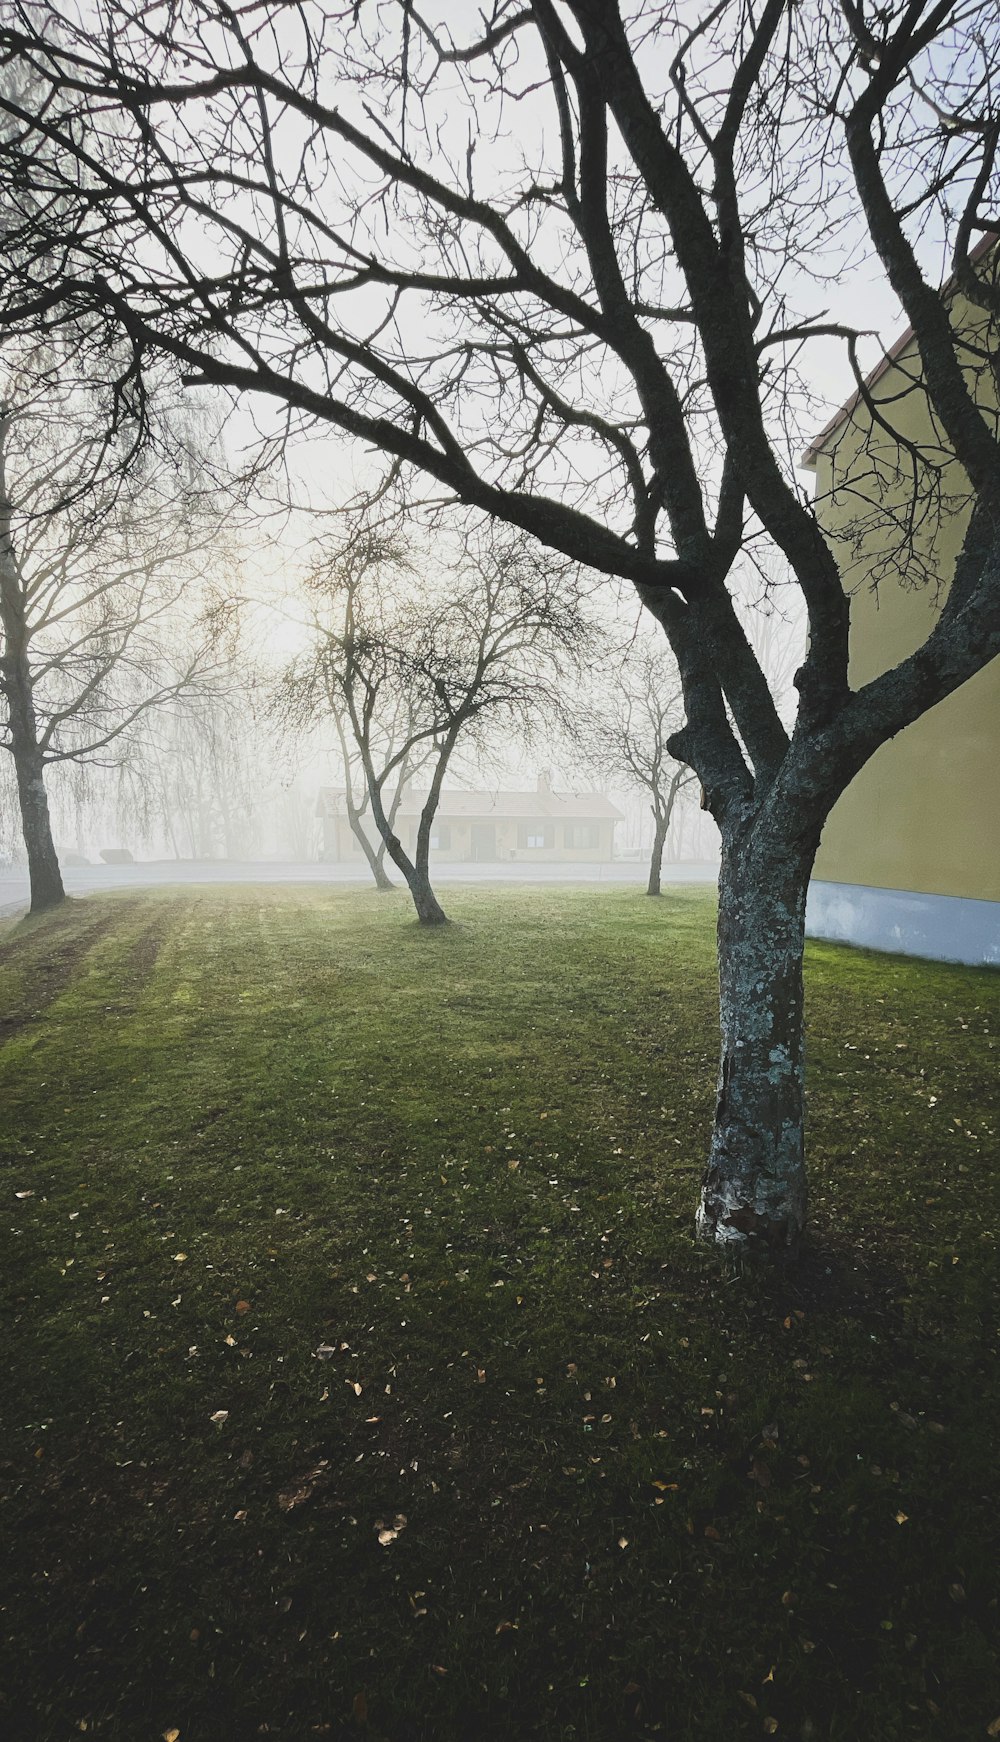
(428, 909)
(754, 1190)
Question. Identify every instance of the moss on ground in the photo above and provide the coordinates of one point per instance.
(414, 1210)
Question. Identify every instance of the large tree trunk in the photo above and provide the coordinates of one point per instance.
(754, 1190)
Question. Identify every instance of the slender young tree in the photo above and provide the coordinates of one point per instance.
(626, 733)
(355, 677)
(414, 667)
(357, 804)
(563, 259)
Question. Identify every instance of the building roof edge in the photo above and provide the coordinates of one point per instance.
(812, 452)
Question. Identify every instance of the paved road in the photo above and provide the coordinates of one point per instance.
(160, 873)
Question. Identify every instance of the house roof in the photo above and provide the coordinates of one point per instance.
(494, 806)
(895, 350)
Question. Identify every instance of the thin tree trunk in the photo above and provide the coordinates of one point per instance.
(754, 1189)
(662, 820)
(375, 860)
(44, 876)
(656, 857)
(379, 872)
(382, 879)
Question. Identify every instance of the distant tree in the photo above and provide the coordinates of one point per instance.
(413, 664)
(389, 706)
(196, 771)
(99, 545)
(626, 731)
(353, 611)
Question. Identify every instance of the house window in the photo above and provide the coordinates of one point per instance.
(536, 835)
(441, 837)
(582, 834)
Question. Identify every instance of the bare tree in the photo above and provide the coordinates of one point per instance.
(480, 645)
(562, 259)
(195, 774)
(98, 545)
(626, 732)
(356, 678)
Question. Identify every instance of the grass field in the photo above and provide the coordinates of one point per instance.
(362, 1378)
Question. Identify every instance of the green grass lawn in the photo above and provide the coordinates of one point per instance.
(362, 1378)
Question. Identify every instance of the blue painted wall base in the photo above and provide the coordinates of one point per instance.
(943, 928)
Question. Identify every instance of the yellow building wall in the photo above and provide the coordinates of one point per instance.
(924, 813)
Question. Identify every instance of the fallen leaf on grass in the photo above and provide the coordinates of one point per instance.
(171, 1736)
(304, 1488)
(180, 1258)
(994, 1728)
(242, 1306)
(388, 1533)
(219, 1416)
(24, 1194)
(292, 1497)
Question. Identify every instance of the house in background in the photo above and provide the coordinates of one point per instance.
(541, 827)
(910, 856)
